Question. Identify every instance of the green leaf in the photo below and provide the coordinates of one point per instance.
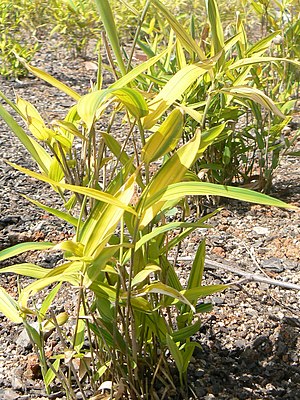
(262, 45)
(8, 306)
(111, 30)
(102, 221)
(196, 274)
(161, 288)
(135, 72)
(42, 283)
(216, 30)
(202, 291)
(50, 375)
(48, 301)
(259, 60)
(185, 333)
(79, 338)
(165, 228)
(53, 81)
(22, 247)
(208, 137)
(175, 352)
(179, 162)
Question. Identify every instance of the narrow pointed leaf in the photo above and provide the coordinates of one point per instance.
(22, 247)
(26, 269)
(48, 301)
(135, 72)
(37, 152)
(250, 93)
(89, 104)
(53, 81)
(179, 162)
(57, 213)
(185, 333)
(259, 60)
(176, 354)
(90, 192)
(182, 189)
(161, 288)
(111, 31)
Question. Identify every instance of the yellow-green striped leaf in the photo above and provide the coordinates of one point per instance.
(26, 269)
(173, 90)
(259, 60)
(8, 306)
(90, 192)
(179, 190)
(172, 171)
(53, 81)
(89, 104)
(144, 273)
(111, 30)
(22, 247)
(37, 152)
(165, 138)
(135, 72)
(59, 214)
(161, 288)
(256, 95)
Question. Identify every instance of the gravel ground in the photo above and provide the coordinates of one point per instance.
(250, 341)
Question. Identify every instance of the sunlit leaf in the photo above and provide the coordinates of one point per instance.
(93, 193)
(8, 306)
(165, 138)
(256, 95)
(53, 81)
(173, 90)
(26, 269)
(111, 30)
(187, 41)
(22, 247)
(161, 288)
(37, 152)
(142, 275)
(179, 162)
(182, 189)
(59, 214)
(89, 104)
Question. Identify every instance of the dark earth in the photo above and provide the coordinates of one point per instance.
(250, 341)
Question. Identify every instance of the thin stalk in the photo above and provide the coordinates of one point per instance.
(137, 33)
(84, 303)
(207, 105)
(72, 368)
(109, 56)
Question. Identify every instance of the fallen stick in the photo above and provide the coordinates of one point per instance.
(247, 275)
